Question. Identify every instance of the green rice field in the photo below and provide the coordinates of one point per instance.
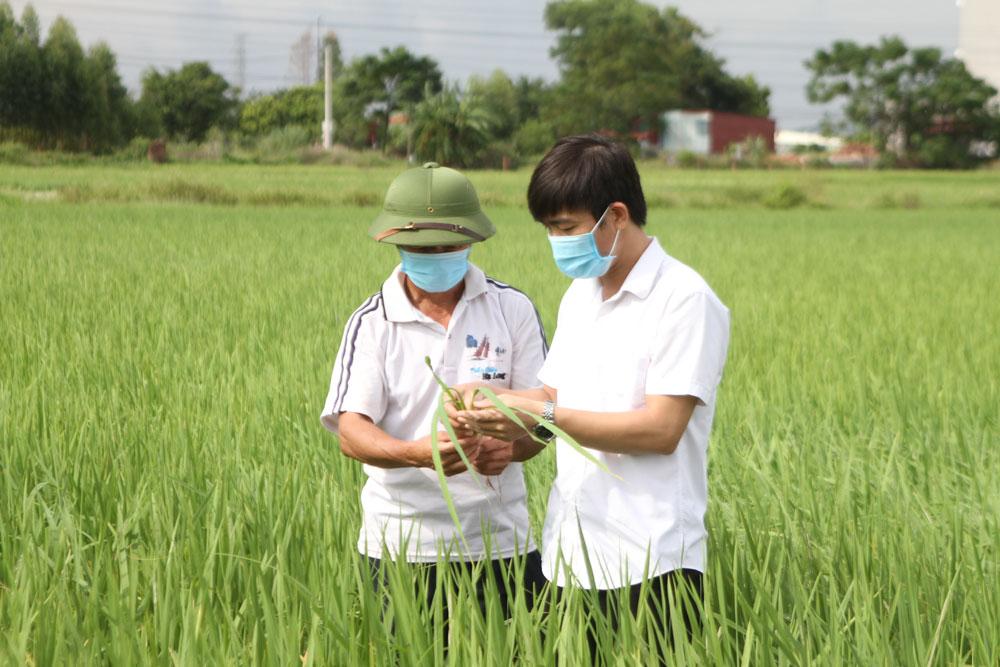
(168, 495)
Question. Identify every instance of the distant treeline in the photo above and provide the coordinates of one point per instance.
(55, 94)
(621, 64)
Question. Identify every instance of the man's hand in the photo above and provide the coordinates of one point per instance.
(421, 452)
(467, 392)
(484, 418)
(493, 456)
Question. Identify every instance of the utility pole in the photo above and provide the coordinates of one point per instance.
(328, 99)
(241, 62)
(318, 43)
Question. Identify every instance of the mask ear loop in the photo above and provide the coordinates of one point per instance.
(614, 244)
(611, 253)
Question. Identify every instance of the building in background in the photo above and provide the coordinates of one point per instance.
(791, 141)
(706, 132)
(979, 38)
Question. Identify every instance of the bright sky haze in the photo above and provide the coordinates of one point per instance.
(767, 38)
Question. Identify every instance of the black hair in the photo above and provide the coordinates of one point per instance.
(586, 172)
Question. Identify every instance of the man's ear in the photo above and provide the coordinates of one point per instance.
(620, 214)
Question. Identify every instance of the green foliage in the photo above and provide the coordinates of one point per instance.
(187, 103)
(497, 96)
(66, 84)
(52, 95)
(626, 61)
(135, 150)
(924, 109)
(786, 196)
(531, 97)
(751, 152)
(688, 159)
(111, 117)
(287, 138)
(448, 129)
(12, 152)
(301, 106)
(22, 75)
(372, 87)
(534, 137)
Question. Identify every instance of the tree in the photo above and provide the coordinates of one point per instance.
(301, 58)
(301, 105)
(62, 54)
(52, 95)
(625, 61)
(448, 129)
(110, 119)
(531, 96)
(186, 103)
(496, 96)
(534, 137)
(375, 86)
(22, 76)
(927, 109)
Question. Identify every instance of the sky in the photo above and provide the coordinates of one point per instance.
(767, 38)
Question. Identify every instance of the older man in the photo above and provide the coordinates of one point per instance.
(382, 395)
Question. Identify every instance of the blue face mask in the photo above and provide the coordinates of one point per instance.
(578, 256)
(435, 272)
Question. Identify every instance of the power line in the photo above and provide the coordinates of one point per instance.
(276, 20)
(418, 29)
(309, 10)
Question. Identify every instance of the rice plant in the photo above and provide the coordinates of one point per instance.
(167, 495)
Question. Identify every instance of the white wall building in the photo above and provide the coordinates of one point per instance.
(788, 141)
(687, 131)
(979, 38)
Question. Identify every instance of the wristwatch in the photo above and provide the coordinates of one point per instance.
(548, 416)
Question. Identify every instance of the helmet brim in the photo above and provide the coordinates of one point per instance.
(477, 222)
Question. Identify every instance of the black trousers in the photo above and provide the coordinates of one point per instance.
(685, 586)
(501, 570)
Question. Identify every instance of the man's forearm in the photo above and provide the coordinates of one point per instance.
(635, 432)
(525, 448)
(362, 440)
(655, 428)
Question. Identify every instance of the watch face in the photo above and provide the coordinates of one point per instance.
(541, 432)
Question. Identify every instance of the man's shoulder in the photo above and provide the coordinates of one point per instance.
(507, 293)
(580, 290)
(678, 282)
(370, 310)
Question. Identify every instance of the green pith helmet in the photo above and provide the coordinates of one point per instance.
(431, 205)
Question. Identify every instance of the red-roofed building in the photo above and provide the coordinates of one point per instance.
(704, 131)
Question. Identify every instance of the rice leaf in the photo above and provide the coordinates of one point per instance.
(442, 417)
(451, 393)
(511, 414)
(443, 480)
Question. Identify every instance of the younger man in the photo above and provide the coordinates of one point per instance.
(637, 356)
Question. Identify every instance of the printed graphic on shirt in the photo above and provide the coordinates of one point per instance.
(483, 360)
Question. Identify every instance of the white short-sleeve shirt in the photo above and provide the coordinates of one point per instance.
(494, 335)
(664, 333)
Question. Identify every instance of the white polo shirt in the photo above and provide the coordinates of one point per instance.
(495, 335)
(664, 333)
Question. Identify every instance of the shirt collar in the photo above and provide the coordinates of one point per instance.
(643, 275)
(398, 307)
